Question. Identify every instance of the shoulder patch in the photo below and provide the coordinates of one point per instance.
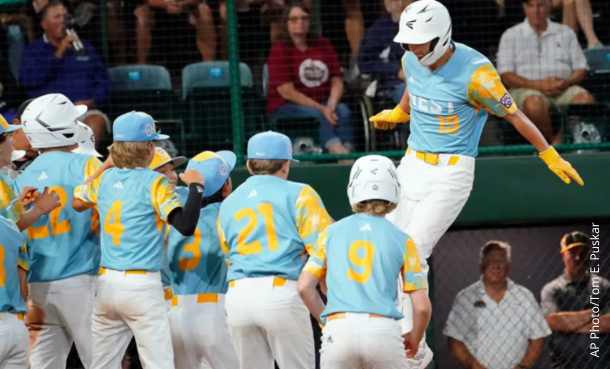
(506, 100)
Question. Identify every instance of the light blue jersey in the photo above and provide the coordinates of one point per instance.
(10, 206)
(268, 226)
(197, 262)
(63, 243)
(134, 205)
(449, 105)
(361, 257)
(12, 256)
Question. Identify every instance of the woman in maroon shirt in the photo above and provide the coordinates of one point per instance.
(305, 79)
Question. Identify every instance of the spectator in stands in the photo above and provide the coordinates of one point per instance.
(577, 14)
(496, 323)
(305, 79)
(380, 56)
(543, 64)
(194, 12)
(573, 311)
(52, 65)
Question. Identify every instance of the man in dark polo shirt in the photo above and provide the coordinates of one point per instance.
(570, 304)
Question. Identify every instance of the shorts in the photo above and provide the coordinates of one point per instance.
(520, 94)
(93, 112)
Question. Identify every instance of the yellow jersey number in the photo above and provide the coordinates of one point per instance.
(255, 247)
(364, 262)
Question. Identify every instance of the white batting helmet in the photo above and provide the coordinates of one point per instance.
(50, 121)
(373, 177)
(86, 141)
(422, 22)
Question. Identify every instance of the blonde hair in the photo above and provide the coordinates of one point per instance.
(375, 207)
(129, 155)
(266, 166)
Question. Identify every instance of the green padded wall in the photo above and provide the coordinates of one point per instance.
(506, 190)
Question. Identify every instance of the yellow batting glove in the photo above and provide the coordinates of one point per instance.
(560, 167)
(387, 119)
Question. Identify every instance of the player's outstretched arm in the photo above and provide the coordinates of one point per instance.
(548, 154)
(422, 311)
(387, 119)
(306, 287)
(44, 204)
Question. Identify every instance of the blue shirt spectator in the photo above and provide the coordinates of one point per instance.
(380, 56)
(78, 77)
(61, 63)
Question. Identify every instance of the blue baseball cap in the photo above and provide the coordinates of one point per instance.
(215, 168)
(136, 126)
(7, 128)
(270, 145)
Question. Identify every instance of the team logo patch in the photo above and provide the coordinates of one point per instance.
(149, 130)
(506, 101)
(223, 170)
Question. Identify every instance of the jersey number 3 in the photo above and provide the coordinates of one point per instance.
(255, 247)
(364, 262)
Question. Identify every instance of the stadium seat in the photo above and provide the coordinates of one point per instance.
(293, 126)
(147, 88)
(598, 59)
(206, 93)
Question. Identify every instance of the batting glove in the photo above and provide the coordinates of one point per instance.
(560, 167)
(388, 119)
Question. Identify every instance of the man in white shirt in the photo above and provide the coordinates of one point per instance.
(543, 64)
(495, 323)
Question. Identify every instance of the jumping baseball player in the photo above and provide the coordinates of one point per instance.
(267, 227)
(14, 339)
(162, 163)
(63, 250)
(130, 198)
(450, 90)
(360, 257)
(11, 205)
(197, 319)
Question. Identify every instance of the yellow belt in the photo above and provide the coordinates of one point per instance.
(343, 315)
(201, 298)
(103, 271)
(277, 282)
(433, 158)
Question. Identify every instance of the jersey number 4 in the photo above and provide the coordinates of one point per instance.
(255, 247)
(112, 222)
(57, 227)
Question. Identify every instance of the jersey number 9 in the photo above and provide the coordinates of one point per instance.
(364, 262)
(255, 247)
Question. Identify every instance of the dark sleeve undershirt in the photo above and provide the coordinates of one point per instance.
(185, 219)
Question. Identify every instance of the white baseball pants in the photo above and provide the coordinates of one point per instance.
(268, 320)
(200, 335)
(131, 304)
(361, 341)
(14, 342)
(432, 197)
(59, 314)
